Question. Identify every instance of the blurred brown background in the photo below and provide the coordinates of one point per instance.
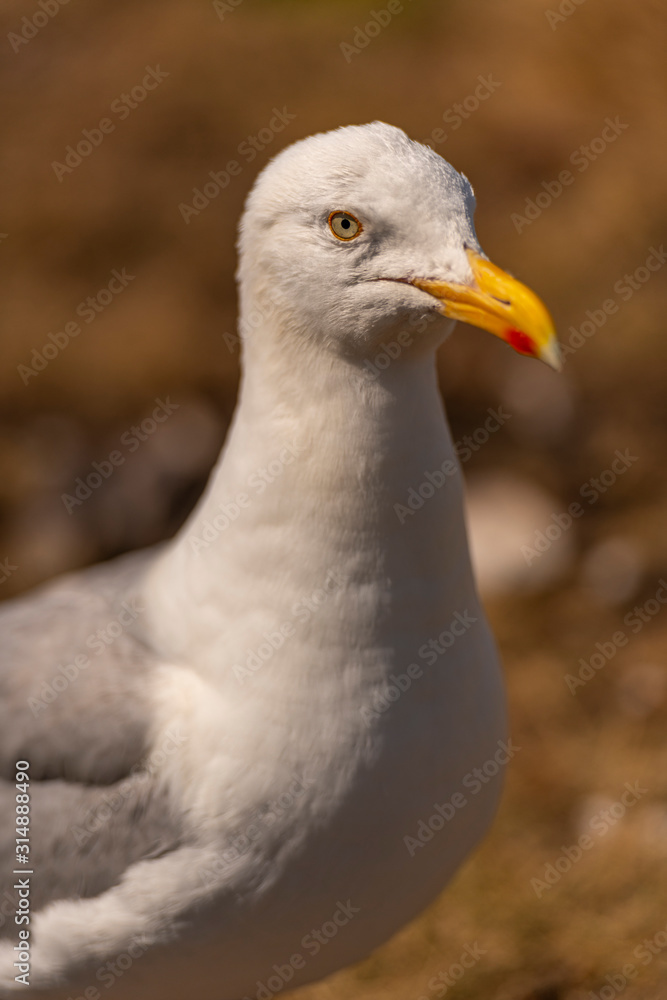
(555, 72)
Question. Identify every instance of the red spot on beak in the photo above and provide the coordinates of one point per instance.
(521, 342)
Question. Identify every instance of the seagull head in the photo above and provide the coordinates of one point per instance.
(354, 235)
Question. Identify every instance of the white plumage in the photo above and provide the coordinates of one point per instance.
(315, 659)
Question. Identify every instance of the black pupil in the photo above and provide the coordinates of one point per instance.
(345, 223)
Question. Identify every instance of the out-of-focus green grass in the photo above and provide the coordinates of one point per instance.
(164, 335)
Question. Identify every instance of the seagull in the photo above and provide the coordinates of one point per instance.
(239, 761)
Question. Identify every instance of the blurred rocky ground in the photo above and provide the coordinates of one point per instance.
(118, 338)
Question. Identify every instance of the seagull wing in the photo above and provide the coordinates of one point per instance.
(74, 705)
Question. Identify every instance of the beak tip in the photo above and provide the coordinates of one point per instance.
(550, 354)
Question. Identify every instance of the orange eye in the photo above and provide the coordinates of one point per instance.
(344, 226)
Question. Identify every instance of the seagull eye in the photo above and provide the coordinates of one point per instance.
(344, 226)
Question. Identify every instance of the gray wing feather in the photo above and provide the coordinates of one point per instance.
(73, 670)
(82, 838)
(83, 726)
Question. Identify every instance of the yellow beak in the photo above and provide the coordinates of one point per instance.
(499, 303)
